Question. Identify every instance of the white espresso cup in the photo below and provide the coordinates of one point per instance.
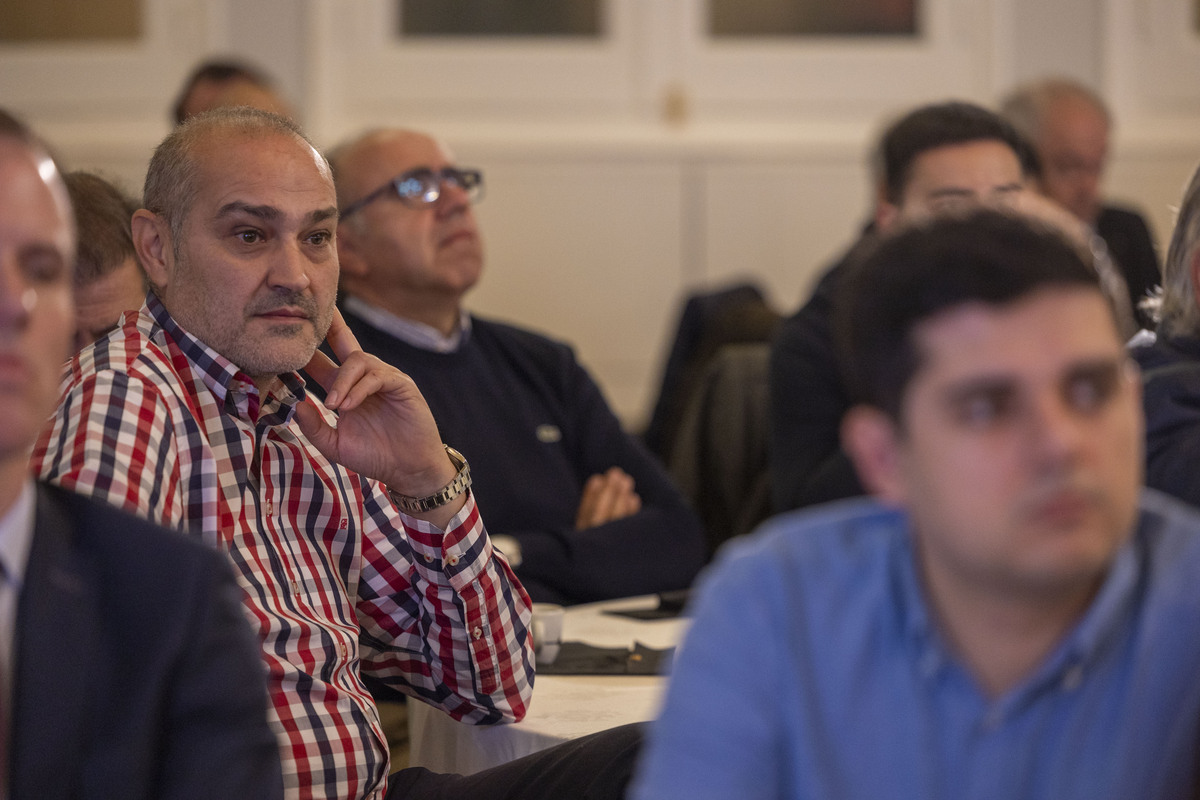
(547, 631)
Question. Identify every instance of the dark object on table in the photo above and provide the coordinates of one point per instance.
(579, 658)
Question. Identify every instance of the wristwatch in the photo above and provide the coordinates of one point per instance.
(460, 484)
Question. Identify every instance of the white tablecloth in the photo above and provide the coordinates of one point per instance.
(564, 707)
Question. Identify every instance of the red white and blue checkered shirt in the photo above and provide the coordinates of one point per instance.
(338, 583)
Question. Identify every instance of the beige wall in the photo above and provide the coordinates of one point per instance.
(603, 210)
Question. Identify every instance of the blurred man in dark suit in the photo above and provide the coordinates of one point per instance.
(126, 666)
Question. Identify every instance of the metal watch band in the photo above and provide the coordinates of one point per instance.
(461, 482)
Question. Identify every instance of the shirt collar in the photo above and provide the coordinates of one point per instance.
(1084, 643)
(16, 534)
(909, 595)
(233, 389)
(417, 334)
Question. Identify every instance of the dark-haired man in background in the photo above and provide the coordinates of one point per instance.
(937, 158)
(108, 277)
(222, 83)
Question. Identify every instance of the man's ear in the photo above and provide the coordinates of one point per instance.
(886, 214)
(152, 241)
(870, 438)
(350, 258)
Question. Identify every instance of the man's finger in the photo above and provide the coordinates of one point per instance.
(315, 428)
(607, 501)
(587, 502)
(341, 339)
(321, 368)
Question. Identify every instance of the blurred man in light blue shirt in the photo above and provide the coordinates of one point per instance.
(1011, 616)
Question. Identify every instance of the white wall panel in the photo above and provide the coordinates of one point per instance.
(603, 210)
(783, 222)
(587, 251)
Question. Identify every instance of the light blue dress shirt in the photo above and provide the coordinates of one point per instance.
(813, 670)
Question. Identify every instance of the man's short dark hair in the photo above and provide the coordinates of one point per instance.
(942, 125)
(922, 270)
(218, 71)
(102, 213)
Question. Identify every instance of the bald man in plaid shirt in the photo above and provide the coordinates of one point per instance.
(356, 540)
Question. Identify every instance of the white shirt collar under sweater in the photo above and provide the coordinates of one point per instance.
(417, 334)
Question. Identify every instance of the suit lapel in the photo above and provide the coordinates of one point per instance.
(58, 639)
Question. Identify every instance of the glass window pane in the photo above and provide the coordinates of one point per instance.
(729, 18)
(69, 20)
(499, 17)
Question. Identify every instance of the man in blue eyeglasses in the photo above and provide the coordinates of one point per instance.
(581, 509)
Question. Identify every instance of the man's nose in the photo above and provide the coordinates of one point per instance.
(1056, 429)
(452, 199)
(289, 267)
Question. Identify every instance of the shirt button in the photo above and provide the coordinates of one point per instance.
(452, 560)
(477, 632)
(270, 507)
(428, 558)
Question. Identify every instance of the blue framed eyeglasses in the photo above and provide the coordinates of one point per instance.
(421, 187)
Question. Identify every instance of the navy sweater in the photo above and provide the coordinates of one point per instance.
(534, 426)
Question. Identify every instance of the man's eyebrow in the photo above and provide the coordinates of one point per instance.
(981, 384)
(40, 250)
(322, 214)
(951, 191)
(238, 207)
(1100, 366)
(1096, 368)
(271, 213)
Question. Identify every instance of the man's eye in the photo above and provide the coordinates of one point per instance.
(320, 238)
(982, 410)
(1088, 393)
(249, 236)
(43, 266)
